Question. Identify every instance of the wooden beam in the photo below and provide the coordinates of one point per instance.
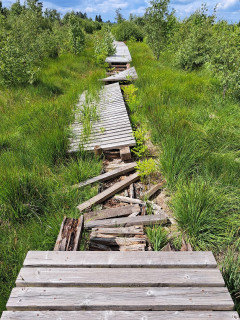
(153, 190)
(127, 231)
(70, 234)
(125, 153)
(115, 277)
(109, 192)
(120, 315)
(139, 220)
(130, 200)
(111, 213)
(142, 299)
(153, 259)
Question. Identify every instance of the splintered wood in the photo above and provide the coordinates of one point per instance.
(70, 235)
(118, 239)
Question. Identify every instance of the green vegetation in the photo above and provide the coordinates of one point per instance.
(34, 166)
(127, 30)
(197, 130)
(157, 237)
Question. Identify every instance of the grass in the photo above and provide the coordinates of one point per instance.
(198, 132)
(34, 165)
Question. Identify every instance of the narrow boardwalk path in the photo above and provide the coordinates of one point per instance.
(113, 129)
(117, 285)
(120, 285)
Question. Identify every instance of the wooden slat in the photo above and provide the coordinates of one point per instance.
(111, 213)
(109, 192)
(112, 113)
(106, 176)
(126, 75)
(120, 315)
(153, 190)
(129, 221)
(127, 231)
(119, 277)
(117, 241)
(69, 236)
(147, 298)
(187, 259)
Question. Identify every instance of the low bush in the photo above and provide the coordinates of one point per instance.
(127, 30)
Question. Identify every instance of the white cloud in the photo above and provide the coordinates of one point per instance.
(227, 4)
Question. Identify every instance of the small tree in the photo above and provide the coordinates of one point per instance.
(159, 24)
(119, 17)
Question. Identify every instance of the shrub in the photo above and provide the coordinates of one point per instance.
(196, 45)
(76, 34)
(103, 45)
(127, 30)
(146, 168)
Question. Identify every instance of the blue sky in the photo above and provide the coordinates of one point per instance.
(227, 9)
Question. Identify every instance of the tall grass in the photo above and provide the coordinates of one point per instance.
(34, 165)
(198, 132)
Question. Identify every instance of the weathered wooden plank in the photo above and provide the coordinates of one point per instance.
(70, 234)
(118, 241)
(126, 75)
(133, 247)
(153, 190)
(125, 153)
(109, 192)
(146, 298)
(120, 315)
(108, 175)
(111, 213)
(123, 277)
(187, 259)
(130, 200)
(122, 54)
(129, 221)
(112, 112)
(127, 231)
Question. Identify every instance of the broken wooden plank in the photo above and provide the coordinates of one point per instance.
(107, 176)
(111, 212)
(141, 298)
(139, 220)
(127, 231)
(129, 200)
(154, 259)
(118, 241)
(94, 246)
(70, 234)
(131, 191)
(125, 153)
(120, 315)
(134, 247)
(109, 192)
(153, 190)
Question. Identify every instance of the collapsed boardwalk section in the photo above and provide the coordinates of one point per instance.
(113, 128)
(120, 286)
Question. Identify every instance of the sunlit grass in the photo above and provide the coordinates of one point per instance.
(35, 168)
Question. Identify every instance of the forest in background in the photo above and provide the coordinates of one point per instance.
(187, 96)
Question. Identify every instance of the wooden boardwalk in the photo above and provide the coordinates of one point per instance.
(122, 55)
(126, 75)
(120, 286)
(113, 129)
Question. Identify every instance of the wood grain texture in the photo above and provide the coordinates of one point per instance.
(122, 54)
(125, 299)
(119, 315)
(123, 231)
(109, 192)
(112, 116)
(128, 221)
(119, 277)
(188, 259)
(111, 213)
(107, 176)
(126, 75)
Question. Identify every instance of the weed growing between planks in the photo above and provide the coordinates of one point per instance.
(198, 133)
(34, 166)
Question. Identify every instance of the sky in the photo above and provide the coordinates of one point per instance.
(227, 9)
